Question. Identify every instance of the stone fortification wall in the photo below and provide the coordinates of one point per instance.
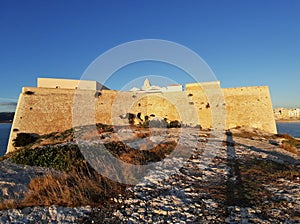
(169, 105)
(46, 110)
(249, 106)
(42, 110)
(244, 106)
(205, 97)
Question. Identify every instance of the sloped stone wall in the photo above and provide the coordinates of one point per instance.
(249, 106)
(46, 110)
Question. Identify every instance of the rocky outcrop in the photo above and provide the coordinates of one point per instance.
(52, 214)
(14, 179)
(227, 179)
(215, 191)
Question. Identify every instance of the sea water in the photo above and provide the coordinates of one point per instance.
(4, 135)
(291, 128)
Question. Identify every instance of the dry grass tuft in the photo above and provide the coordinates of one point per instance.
(142, 134)
(76, 188)
(286, 136)
(8, 204)
(290, 148)
(140, 157)
(290, 143)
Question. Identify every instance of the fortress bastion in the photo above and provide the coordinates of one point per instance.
(51, 106)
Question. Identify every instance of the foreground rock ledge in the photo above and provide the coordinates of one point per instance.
(246, 181)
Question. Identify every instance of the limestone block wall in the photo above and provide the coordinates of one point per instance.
(170, 105)
(249, 106)
(244, 106)
(42, 110)
(208, 99)
(46, 110)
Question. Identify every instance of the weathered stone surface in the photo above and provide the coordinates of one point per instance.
(47, 110)
(219, 183)
(197, 193)
(14, 179)
(52, 214)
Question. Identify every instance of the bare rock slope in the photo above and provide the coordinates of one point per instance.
(227, 179)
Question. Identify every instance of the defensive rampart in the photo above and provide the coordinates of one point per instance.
(46, 110)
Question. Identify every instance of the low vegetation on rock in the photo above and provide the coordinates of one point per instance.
(290, 143)
(73, 182)
(60, 157)
(250, 174)
(284, 141)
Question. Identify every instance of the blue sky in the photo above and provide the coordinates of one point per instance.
(246, 43)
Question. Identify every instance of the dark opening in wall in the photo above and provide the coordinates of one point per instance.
(29, 92)
(191, 103)
(190, 94)
(207, 106)
(97, 94)
(152, 115)
(130, 117)
(139, 104)
(30, 108)
(57, 87)
(139, 116)
(15, 129)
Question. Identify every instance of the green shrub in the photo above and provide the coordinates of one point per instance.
(24, 139)
(61, 157)
(174, 124)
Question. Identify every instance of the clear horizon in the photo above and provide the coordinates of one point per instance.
(245, 43)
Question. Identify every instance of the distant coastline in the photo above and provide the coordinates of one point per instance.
(287, 120)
